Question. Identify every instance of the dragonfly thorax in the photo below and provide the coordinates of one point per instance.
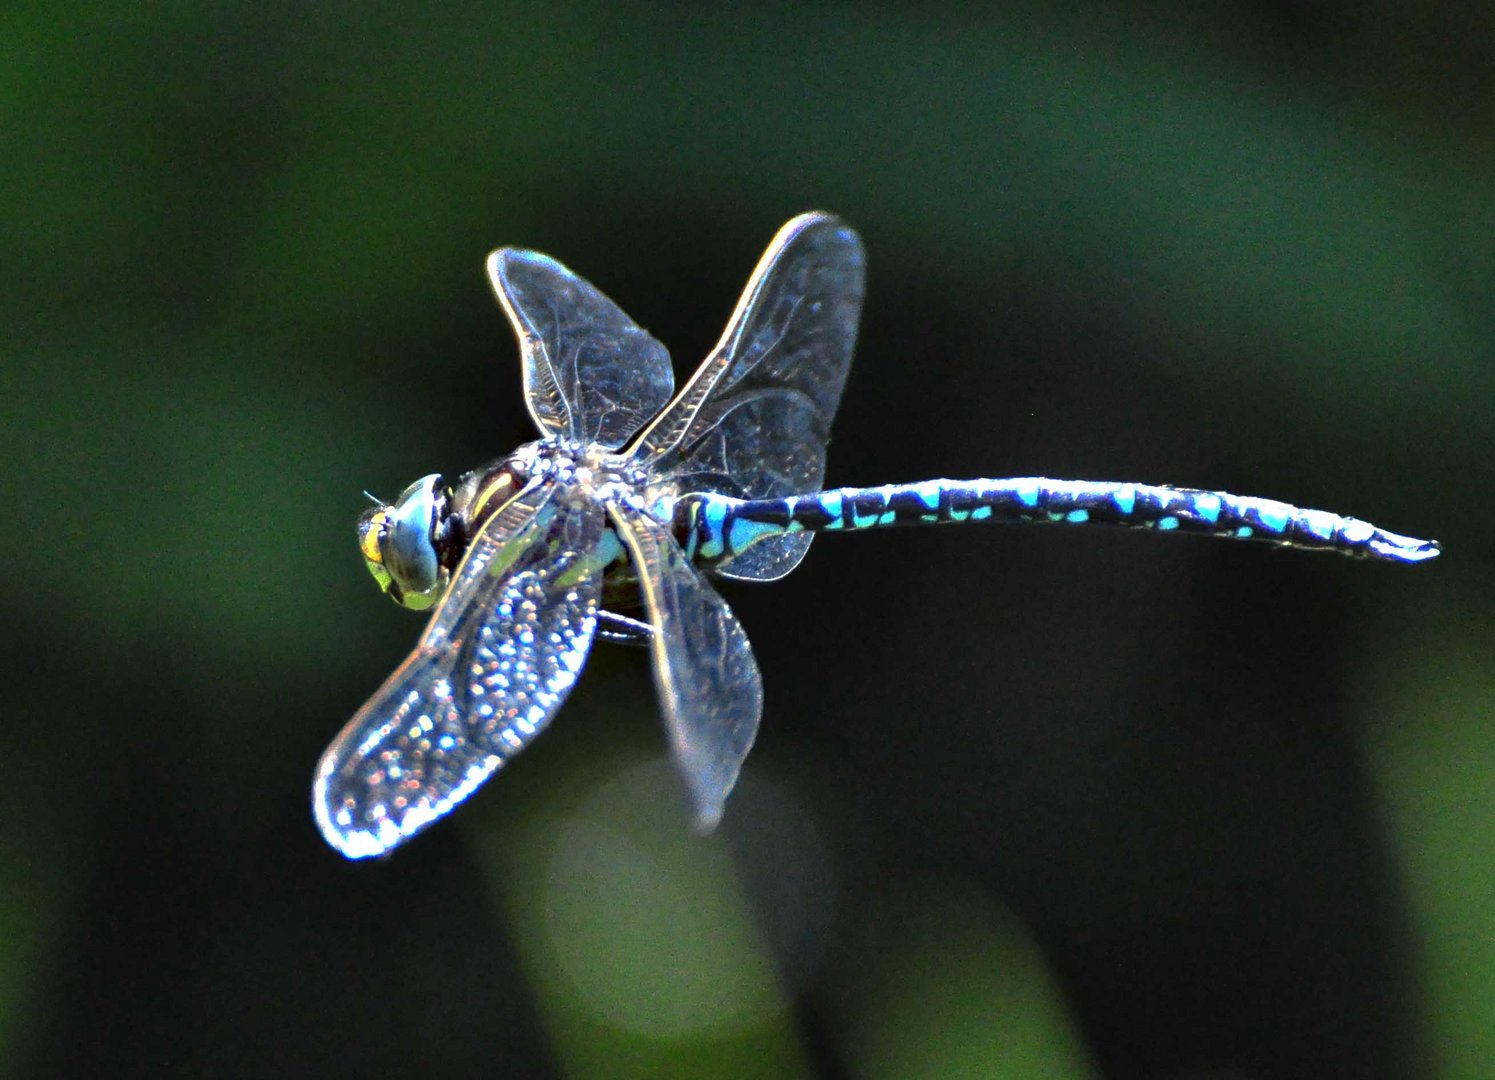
(412, 545)
(597, 471)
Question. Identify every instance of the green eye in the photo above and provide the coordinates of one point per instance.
(397, 545)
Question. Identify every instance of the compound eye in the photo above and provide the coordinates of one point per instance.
(398, 543)
(408, 547)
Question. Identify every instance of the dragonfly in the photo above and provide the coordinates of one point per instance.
(632, 500)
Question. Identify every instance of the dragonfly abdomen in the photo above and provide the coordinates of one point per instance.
(716, 528)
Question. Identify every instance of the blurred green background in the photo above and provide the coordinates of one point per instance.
(1057, 803)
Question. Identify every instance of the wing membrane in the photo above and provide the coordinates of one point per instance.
(589, 372)
(495, 662)
(754, 419)
(708, 680)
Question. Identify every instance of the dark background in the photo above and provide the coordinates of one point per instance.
(1026, 802)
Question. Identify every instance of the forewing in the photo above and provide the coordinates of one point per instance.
(496, 661)
(708, 681)
(589, 372)
(754, 419)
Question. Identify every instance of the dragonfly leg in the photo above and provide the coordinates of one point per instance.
(621, 630)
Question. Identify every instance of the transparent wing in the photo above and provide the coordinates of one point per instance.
(589, 372)
(495, 662)
(754, 419)
(708, 680)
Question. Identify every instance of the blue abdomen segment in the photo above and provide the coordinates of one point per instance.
(715, 528)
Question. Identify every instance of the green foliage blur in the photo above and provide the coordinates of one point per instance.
(1026, 803)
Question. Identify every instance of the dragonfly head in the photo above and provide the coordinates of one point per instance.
(398, 542)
